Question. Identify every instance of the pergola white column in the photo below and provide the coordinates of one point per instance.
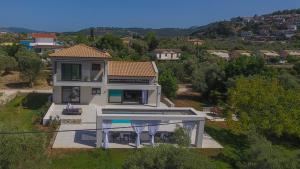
(155, 115)
(99, 131)
(199, 133)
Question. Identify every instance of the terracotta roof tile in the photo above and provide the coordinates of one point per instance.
(80, 50)
(167, 50)
(123, 68)
(43, 35)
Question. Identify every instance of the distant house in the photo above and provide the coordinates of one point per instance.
(246, 33)
(219, 53)
(247, 19)
(268, 54)
(289, 33)
(239, 53)
(286, 53)
(196, 41)
(41, 42)
(43, 39)
(292, 27)
(264, 32)
(3, 32)
(167, 54)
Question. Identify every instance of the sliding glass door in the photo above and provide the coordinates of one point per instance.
(71, 94)
(70, 72)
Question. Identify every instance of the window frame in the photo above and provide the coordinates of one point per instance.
(96, 91)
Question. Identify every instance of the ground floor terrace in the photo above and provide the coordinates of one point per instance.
(86, 138)
(120, 122)
(137, 94)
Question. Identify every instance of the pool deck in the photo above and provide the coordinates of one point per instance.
(85, 137)
(89, 112)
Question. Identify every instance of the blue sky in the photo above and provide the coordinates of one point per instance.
(72, 15)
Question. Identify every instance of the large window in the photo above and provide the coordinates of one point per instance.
(115, 96)
(71, 94)
(128, 96)
(70, 72)
(96, 73)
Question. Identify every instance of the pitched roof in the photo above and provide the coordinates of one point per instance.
(43, 35)
(123, 68)
(167, 50)
(80, 50)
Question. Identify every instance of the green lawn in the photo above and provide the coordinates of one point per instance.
(233, 144)
(89, 159)
(24, 111)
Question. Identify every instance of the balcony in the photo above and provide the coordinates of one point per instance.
(123, 86)
(89, 79)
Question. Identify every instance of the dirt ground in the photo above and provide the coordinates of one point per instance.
(187, 90)
(13, 80)
(186, 97)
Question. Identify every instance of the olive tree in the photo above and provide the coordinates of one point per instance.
(30, 65)
(168, 83)
(181, 137)
(7, 63)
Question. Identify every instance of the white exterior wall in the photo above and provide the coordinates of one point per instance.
(85, 84)
(44, 41)
(56, 94)
(168, 56)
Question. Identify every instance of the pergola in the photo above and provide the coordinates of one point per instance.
(188, 116)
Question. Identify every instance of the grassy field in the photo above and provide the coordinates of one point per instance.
(89, 159)
(24, 111)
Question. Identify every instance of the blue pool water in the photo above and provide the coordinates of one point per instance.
(121, 121)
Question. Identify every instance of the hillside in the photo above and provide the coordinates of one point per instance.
(161, 32)
(275, 26)
(17, 30)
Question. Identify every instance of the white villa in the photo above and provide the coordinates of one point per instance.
(43, 41)
(167, 54)
(114, 104)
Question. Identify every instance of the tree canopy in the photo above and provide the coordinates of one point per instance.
(167, 157)
(7, 63)
(169, 84)
(152, 41)
(30, 65)
(264, 103)
(261, 154)
(110, 42)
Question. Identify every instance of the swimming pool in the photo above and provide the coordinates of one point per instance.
(121, 121)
